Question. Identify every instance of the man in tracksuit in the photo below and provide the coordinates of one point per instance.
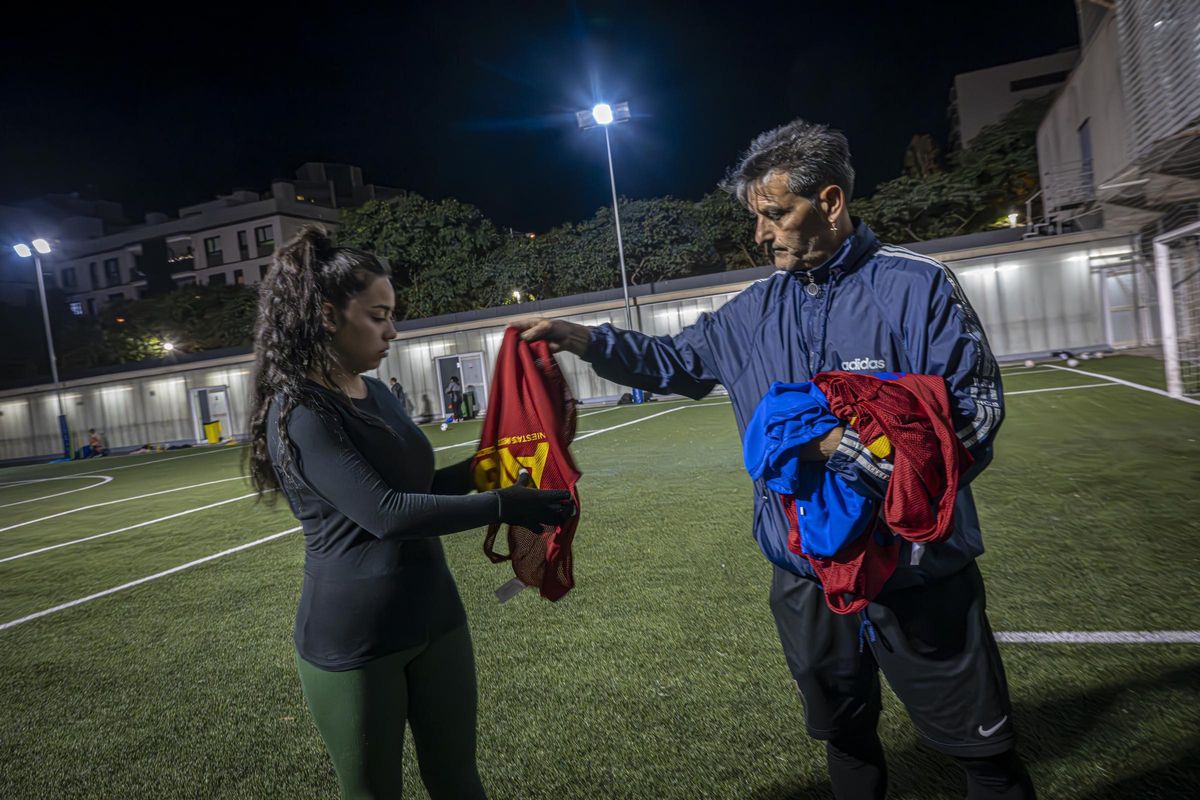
(841, 300)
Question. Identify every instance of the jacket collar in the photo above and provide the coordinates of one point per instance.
(852, 254)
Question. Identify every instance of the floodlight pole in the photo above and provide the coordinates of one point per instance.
(63, 430)
(612, 179)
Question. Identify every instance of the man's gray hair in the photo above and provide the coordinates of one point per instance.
(812, 156)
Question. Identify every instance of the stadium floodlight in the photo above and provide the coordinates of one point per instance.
(603, 115)
(25, 251)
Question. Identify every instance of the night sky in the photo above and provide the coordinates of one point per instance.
(164, 108)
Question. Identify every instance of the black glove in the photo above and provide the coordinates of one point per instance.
(533, 508)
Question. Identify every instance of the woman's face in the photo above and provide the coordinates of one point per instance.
(363, 329)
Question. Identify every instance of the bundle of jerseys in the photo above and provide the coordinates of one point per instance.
(850, 540)
(528, 429)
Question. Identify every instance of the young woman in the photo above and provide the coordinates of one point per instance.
(381, 634)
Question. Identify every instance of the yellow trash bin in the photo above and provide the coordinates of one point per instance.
(212, 432)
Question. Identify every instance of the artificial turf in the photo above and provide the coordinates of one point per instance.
(660, 674)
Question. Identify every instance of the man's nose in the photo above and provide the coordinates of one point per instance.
(762, 231)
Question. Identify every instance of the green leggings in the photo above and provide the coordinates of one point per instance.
(361, 715)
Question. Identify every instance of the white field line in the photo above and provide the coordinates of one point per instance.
(126, 528)
(121, 500)
(1099, 637)
(103, 480)
(583, 436)
(1130, 384)
(219, 449)
(1019, 373)
(1060, 388)
(181, 567)
(147, 579)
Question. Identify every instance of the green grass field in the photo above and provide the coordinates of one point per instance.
(660, 675)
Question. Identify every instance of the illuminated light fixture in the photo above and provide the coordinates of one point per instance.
(603, 115)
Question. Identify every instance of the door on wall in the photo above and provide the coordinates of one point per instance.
(211, 404)
(468, 368)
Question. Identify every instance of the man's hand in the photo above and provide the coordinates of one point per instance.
(558, 333)
(821, 449)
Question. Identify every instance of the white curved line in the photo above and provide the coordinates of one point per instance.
(139, 581)
(103, 480)
(176, 515)
(121, 500)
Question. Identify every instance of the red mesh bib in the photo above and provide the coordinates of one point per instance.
(529, 427)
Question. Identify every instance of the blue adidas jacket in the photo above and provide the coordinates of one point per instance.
(879, 308)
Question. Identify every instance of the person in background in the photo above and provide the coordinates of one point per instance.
(96, 443)
(381, 634)
(454, 398)
(398, 392)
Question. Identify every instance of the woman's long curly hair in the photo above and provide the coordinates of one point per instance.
(291, 341)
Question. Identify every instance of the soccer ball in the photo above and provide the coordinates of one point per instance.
(1072, 362)
(1029, 362)
(444, 426)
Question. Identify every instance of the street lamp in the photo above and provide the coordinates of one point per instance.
(516, 295)
(40, 248)
(168, 346)
(603, 115)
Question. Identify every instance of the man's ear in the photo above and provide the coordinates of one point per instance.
(833, 201)
(329, 317)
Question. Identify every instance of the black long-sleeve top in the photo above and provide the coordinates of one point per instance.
(372, 506)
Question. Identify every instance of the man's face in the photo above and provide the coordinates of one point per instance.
(794, 232)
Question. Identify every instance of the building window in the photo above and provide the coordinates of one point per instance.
(91, 306)
(77, 309)
(112, 272)
(136, 272)
(239, 278)
(69, 279)
(92, 274)
(187, 280)
(1038, 81)
(243, 246)
(212, 252)
(116, 298)
(263, 269)
(216, 279)
(264, 239)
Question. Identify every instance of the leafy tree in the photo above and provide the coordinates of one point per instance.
(730, 229)
(979, 184)
(434, 248)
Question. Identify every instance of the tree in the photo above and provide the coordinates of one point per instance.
(979, 185)
(434, 248)
(730, 229)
